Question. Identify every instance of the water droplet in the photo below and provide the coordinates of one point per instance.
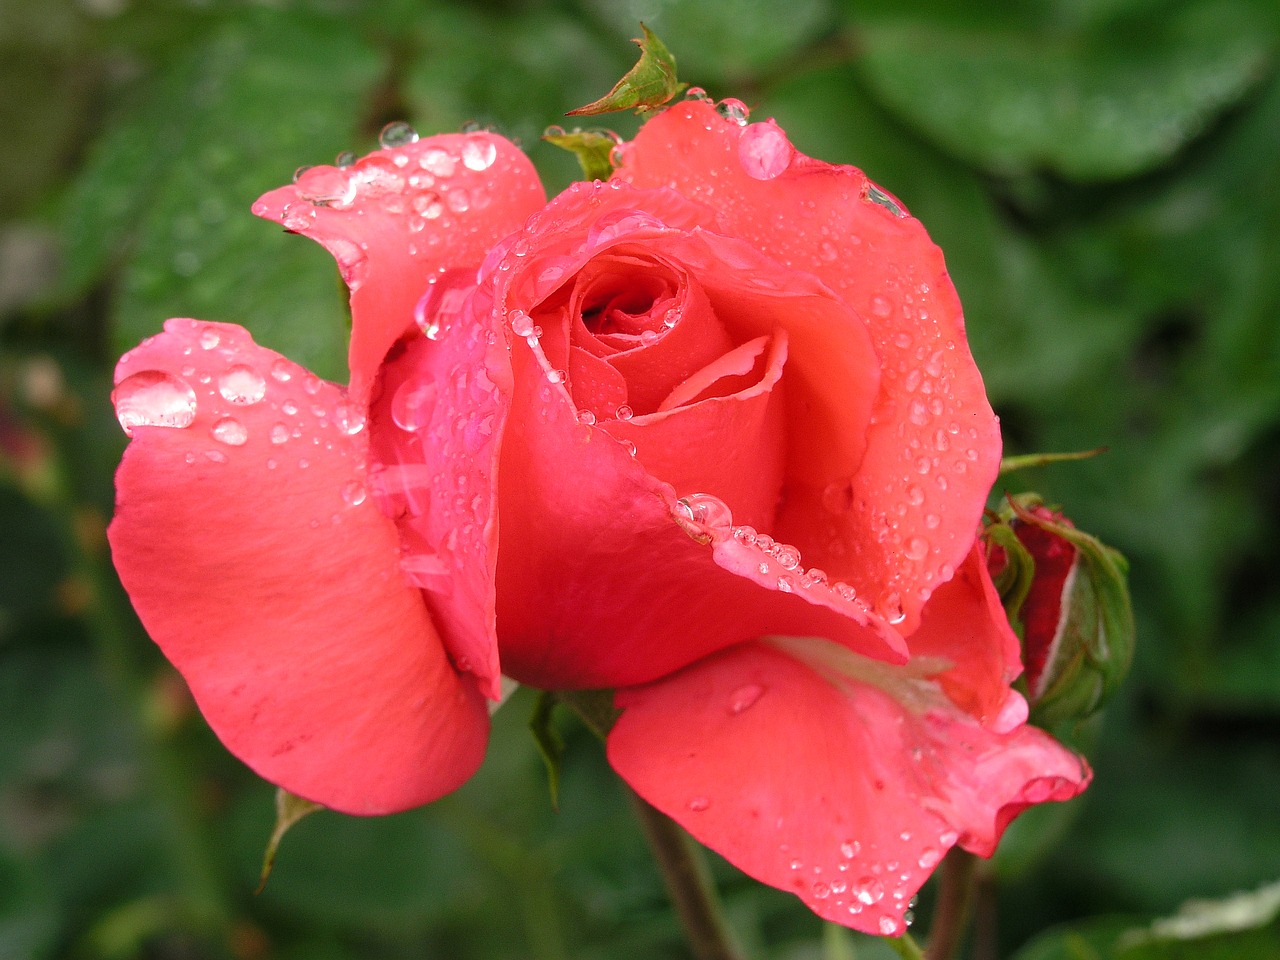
(230, 431)
(850, 849)
(346, 158)
(704, 517)
(764, 150)
(354, 493)
(624, 412)
(888, 926)
(279, 434)
(209, 338)
(153, 398)
(821, 890)
(397, 134)
(734, 111)
(745, 697)
(880, 307)
(521, 324)
(917, 548)
(948, 838)
(929, 858)
(479, 153)
(349, 418)
(556, 376)
(587, 417)
(242, 385)
(438, 163)
(697, 93)
(282, 370)
(868, 890)
(699, 804)
(745, 535)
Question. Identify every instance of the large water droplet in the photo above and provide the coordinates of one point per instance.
(479, 153)
(745, 697)
(412, 405)
(397, 134)
(764, 150)
(734, 110)
(354, 493)
(349, 418)
(242, 384)
(230, 431)
(704, 517)
(153, 398)
(869, 890)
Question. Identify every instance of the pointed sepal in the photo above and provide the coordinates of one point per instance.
(646, 86)
(289, 810)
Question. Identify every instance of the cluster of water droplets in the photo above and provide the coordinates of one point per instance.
(708, 520)
(160, 398)
(422, 185)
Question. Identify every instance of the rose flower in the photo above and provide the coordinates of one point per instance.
(707, 434)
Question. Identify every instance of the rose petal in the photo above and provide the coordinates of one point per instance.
(243, 538)
(582, 520)
(399, 216)
(965, 624)
(846, 790)
(732, 447)
(438, 414)
(935, 438)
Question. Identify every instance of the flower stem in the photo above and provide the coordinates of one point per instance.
(905, 947)
(954, 899)
(681, 860)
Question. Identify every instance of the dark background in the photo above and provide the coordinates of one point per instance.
(1104, 176)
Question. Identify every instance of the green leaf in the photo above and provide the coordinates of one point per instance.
(1093, 99)
(289, 810)
(166, 193)
(550, 742)
(646, 86)
(593, 148)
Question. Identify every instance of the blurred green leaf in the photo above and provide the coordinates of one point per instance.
(167, 190)
(1094, 100)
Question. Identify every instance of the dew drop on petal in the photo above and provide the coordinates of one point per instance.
(153, 398)
(279, 434)
(479, 154)
(888, 926)
(397, 134)
(734, 111)
(850, 849)
(230, 431)
(764, 150)
(699, 804)
(209, 338)
(242, 385)
(349, 417)
(868, 890)
(704, 517)
(745, 697)
(282, 370)
(354, 493)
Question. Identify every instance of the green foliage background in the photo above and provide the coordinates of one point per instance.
(1104, 176)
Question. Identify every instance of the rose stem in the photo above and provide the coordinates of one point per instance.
(680, 858)
(954, 900)
(905, 947)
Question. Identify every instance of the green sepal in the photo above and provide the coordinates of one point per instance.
(646, 86)
(593, 148)
(289, 810)
(1013, 583)
(1028, 460)
(550, 743)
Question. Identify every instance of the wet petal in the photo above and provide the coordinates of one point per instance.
(582, 520)
(439, 411)
(400, 216)
(843, 785)
(256, 559)
(935, 442)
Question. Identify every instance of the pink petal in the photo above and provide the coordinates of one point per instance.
(256, 560)
(935, 442)
(440, 405)
(844, 785)
(400, 216)
(965, 625)
(599, 585)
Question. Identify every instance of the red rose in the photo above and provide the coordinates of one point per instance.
(708, 433)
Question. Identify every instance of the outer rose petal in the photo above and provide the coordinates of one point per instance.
(599, 586)
(398, 217)
(831, 787)
(271, 581)
(935, 438)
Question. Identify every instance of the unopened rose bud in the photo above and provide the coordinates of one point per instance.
(1068, 597)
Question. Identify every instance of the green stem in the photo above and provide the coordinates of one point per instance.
(679, 857)
(905, 947)
(1029, 460)
(955, 896)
